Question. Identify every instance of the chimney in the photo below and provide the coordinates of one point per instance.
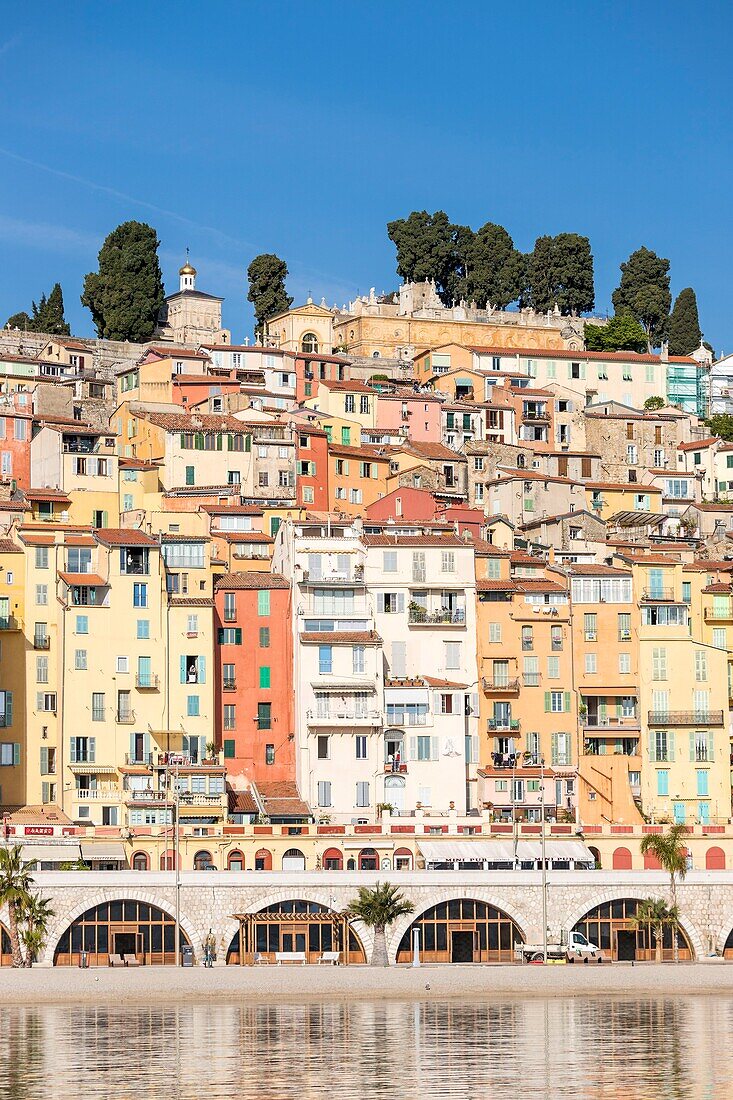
(664, 353)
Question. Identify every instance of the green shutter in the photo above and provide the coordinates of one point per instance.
(652, 748)
(45, 792)
(238, 635)
(548, 704)
(248, 442)
(566, 703)
(44, 761)
(8, 708)
(670, 747)
(72, 750)
(146, 746)
(183, 670)
(183, 440)
(553, 751)
(692, 746)
(219, 441)
(230, 444)
(16, 754)
(264, 676)
(92, 749)
(711, 747)
(229, 749)
(202, 670)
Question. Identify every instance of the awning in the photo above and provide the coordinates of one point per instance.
(344, 685)
(502, 851)
(51, 853)
(107, 852)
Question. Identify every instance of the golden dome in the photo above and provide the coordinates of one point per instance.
(187, 269)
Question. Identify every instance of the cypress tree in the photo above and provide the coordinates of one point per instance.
(267, 293)
(126, 294)
(684, 324)
(644, 293)
(48, 315)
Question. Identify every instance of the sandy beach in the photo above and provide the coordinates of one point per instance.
(302, 984)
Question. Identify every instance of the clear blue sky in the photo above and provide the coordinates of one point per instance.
(302, 128)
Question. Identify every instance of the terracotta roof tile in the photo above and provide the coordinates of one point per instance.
(342, 637)
(580, 356)
(124, 536)
(7, 546)
(241, 802)
(251, 580)
(446, 540)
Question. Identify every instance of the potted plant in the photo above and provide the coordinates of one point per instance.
(211, 753)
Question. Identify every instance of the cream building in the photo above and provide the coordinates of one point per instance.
(191, 317)
(307, 328)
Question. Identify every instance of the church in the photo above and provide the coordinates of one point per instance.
(190, 316)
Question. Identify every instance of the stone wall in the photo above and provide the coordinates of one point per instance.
(209, 901)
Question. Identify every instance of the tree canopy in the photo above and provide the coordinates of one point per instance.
(721, 425)
(20, 320)
(560, 271)
(495, 271)
(644, 293)
(622, 333)
(428, 247)
(267, 274)
(126, 294)
(653, 403)
(378, 907)
(684, 324)
(47, 315)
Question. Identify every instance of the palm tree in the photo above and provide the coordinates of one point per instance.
(654, 913)
(15, 888)
(35, 913)
(378, 908)
(671, 854)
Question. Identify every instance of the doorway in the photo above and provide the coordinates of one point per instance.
(625, 945)
(461, 947)
(125, 943)
(293, 941)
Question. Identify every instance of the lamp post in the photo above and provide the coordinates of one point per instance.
(176, 805)
(544, 860)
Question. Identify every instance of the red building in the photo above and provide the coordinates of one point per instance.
(311, 467)
(313, 367)
(254, 670)
(405, 504)
(16, 429)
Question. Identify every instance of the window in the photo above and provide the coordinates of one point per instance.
(264, 637)
(590, 626)
(9, 755)
(720, 638)
(123, 664)
(556, 639)
(360, 743)
(495, 632)
(263, 601)
(325, 659)
(561, 749)
(82, 750)
(264, 717)
(192, 706)
(591, 664)
(624, 627)
(452, 654)
(143, 629)
(264, 676)
(362, 794)
(662, 783)
(230, 607)
(324, 793)
(389, 562)
(230, 635)
(269, 754)
(41, 557)
(527, 638)
(80, 659)
(139, 595)
(82, 624)
(659, 663)
(357, 659)
(97, 706)
(349, 403)
(701, 665)
(624, 663)
(553, 668)
(447, 561)
(41, 670)
(555, 701)
(355, 496)
(346, 437)
(192, 625)
(41, 595)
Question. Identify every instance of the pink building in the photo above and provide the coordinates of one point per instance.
(417, 414)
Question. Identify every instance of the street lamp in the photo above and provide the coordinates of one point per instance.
(544, 860)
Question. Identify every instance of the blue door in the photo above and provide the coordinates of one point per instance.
(679, 813)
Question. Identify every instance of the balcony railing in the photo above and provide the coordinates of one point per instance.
(500, 685)
(329, 580)
(9, 622)
(718, 614)
(511, 724)
(229, 685)
(456, 617)
(611, 722)
(149, 796)
(531, 679)
(189, 798)
(147, 681)
(685, 718)
(337, 718)
(125, 717)
(141, 759)
(661, 594)
(41, 641)
(536, 417)
(98, 794)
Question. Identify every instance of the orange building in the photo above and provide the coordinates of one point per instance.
(312, 467)
(357, 477)
(254, 688)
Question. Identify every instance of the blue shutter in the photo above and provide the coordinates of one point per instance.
(202, 670)
(72, 752)
(183, 670)
(92, 749)
(132, 747)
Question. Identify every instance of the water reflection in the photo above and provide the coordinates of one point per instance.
(669, 1048)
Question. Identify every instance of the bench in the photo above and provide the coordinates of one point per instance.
(290, 957)
(131, 960)
(331, 957)
(260, 959)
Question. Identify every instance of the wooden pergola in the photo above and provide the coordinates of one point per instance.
(293, 923)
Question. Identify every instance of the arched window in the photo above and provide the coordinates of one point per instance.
(403, 859)
(596, 855)
(235, 861)
(124, 928)
(462, 930)
(651, 863)
(263, 860)
(715, 859)
(368, 860)
(621, 859)
(168, 860)
(140, 861)
(612, 927)
(293, 860)
(309, 343)
(332, 860)
(202, 861)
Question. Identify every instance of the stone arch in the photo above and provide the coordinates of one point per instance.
(483, 894)
(101, 897)
(636, 893)
(321, 897)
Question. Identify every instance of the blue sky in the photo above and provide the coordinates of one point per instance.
(302, 128)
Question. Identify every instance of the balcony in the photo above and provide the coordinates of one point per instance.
(149, 796)
(658, 595)
(509, 725)
(686, 718)
(98, 794)
(344, 718)
(9, 622)
(536, 417)
(147, 681)
(41, 641)
(611, 722)
(719, 614)
(140, 760)
(189, 798)
(125, 717)
(331, 580)
(423, 617)
(229, 685)
(395, 769)
(501, 686)
(531, 679)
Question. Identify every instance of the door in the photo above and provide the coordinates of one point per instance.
(394, 792)
(292, 941)
(125, 943)
(461, 947)
(625, 945)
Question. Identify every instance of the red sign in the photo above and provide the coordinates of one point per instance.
(38, 830)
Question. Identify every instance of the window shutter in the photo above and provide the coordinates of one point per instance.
(183, 440)
(380, 602)
(39, 700)
(436, 702)
(401, 602)
(219, 442)
(220, 635)
(183, 670)
(146, 745)
(652, 748)
(692, 746)
(186, 744)
(474, 702)
(434, 748)
(230, 443)
(202, 670)
(670, 746)
(238, 635)
(44, 761)
(16, 753)
(548, 703)
(566, 702)
(45, 792)
(202, 748)
(711, 747)
(92, 749)
(8, 708)
(553, 750)
(475, 750)
(413, 748)
(72, 751)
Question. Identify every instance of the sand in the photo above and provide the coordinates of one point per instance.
(291, 983)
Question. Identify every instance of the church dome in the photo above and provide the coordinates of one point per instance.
(187, 269)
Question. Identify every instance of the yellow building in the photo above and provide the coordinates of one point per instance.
(13, 747)
(344, 407)
(606, 499)
(307, 328)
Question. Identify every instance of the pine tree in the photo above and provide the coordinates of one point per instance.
(267, 274)
(126, 294)
(20, 320)
(684, 324)
(644, 293)
(560, 272)
(48, 315)
(428, 247)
